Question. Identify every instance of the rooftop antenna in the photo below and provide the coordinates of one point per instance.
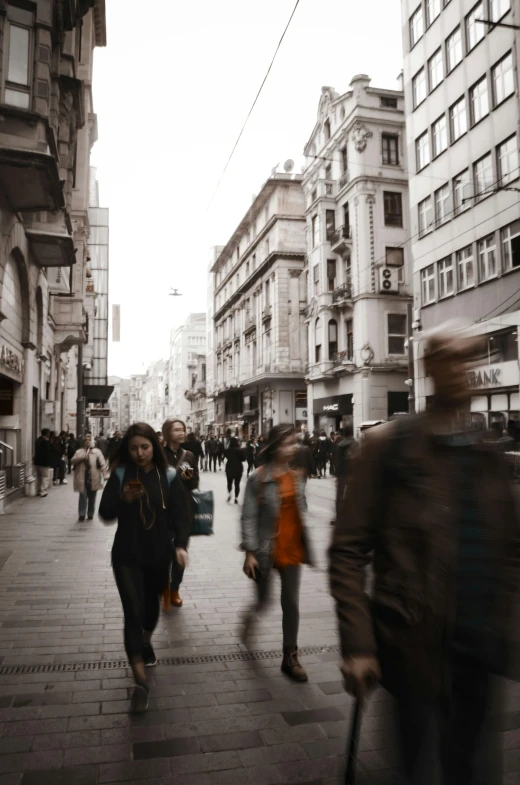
(275, 169)
(175, 293)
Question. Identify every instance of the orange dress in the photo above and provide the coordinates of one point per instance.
(289, 546)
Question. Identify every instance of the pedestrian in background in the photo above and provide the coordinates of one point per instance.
(250, 455)
(90, 469)
(102, 443)
(274, 536)
(430, 507)
(303, 461)
(193, 445)
(323, 449)
(150, 505)
(113, 446)
(185, 463)
(212, 450)
(220, 452)
(235, 457)
(72, 446)
(43, 462)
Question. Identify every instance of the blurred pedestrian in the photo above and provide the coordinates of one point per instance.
(43, 462)
(303, 461)
(274, 536)
(344, 449)
(150, 505)
(102, 443)
(194, 446)
(185, 463)
(430, 506)
(250, 455)
(220, 452)
(72, 445)
(212, 450)
(90, 469)
(235, 457)
(323, 450)
(113, 445)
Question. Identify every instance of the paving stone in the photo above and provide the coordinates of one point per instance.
(167, 748)
(280, 753)
(311, 716)
(231, 741)
(134, 770)
(82, 775)
(82, 756)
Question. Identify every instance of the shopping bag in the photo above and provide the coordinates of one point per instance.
(353, 744)
(203, 505)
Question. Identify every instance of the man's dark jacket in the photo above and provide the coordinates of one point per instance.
(42, 452)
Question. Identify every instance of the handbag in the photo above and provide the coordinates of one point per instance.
(203, 512)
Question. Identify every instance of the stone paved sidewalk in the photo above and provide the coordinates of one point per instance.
(215, 717)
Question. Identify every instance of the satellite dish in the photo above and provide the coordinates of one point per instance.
(288, 165)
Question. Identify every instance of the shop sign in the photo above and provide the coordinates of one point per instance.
(11, 361)
(333, 405)
(487, 378)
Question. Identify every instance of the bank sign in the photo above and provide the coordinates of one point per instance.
(487, 378)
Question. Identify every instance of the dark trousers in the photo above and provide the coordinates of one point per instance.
(449, 737)
(250, 465)
(321, 463)
(290, 600)
(233, 479)
(213, 460)
(140, 589)
(59, 471)
(176, 574)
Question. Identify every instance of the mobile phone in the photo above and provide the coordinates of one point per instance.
(134, 485)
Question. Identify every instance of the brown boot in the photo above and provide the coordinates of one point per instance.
(175, 599)
(167, 605)
(292, 667)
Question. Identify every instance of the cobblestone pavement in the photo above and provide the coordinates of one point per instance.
(215, 717)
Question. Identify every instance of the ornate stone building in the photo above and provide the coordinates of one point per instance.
(357, 279)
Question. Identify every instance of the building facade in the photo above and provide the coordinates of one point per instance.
(186, 343)
(357, 278)
(154, 393)
(196, 394)
(259, 357)
(137, 398)
(119, 404)
(210, 340)
(48, 127)
(463, 121)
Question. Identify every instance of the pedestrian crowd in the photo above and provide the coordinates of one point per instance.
(423, 505)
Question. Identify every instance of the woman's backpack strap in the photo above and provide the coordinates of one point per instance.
(120, 474)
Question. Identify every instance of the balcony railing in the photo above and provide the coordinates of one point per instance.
(343, 292)
(343, 358)
(340, 237)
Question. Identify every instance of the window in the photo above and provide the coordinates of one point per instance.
(267, 293)
(440, 136)
(326, 130)
(330, 224)
(479, 100)
(433, 9)
(331, 275)
(328, 172)
(436, 69)
(454, 49)
(391, 149)
(416, 26)
(396, 323)
(317, 333)
(17, 87)
(315, 221)
(425, 215)
(466, 267)
(498, 8)
(388, 103)
(314, 196)
(419, 87)
(445, 270)
(507, 161)
(333, 338)
(487, 257)
(422, 151)
(428, 285)
(483, 175)
(458, 119)
(475, 30)
(393, 208)
(346, 219)
(442, 204)
(349, 324)
(511, 245)
(503, 85)
(316, 279)
(461, 192)
(344, 159)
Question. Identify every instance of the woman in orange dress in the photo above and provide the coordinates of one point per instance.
(274, 536)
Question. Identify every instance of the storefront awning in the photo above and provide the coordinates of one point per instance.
(97, 393)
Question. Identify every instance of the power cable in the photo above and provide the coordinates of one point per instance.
(254, 103)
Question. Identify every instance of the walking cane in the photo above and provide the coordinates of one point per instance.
(353, 744)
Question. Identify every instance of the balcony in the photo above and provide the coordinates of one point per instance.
(190, 394)
(250, 323)
(343, 180)
(59, 280)
(30, 179)
(66, 315)
(50, 239)
(341, 239)
(267, 312)
(201, 388)
(343, 358)
(342, 293)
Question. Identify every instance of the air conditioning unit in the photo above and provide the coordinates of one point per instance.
(388, 280)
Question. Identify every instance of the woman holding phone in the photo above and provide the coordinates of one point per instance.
(150, 505)
(275, 537)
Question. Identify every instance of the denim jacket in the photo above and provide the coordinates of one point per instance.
(261, 512)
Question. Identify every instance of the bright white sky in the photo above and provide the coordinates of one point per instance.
(171, 92)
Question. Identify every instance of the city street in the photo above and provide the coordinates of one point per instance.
(218, 714)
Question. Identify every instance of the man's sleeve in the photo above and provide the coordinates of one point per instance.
(180, 513)
(351, 550)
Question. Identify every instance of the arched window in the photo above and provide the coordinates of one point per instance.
(326, 130)
(333, 338)
(317, 340)
(12, 302)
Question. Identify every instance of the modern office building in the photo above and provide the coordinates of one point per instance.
(357, 277)
(463, 120)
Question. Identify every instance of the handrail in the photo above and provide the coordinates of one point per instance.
(4, 444)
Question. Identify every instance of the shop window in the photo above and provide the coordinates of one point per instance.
(333, 338)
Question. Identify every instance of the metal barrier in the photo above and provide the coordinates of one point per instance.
(2, 492)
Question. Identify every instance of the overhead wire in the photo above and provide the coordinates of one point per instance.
(253, 104)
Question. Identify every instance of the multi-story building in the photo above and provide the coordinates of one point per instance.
(355, 185)
(186, 343)
(154, 392)
(463, 120)
(196, 394)
(119, 404)
(137, 400)
(47, 130)
(210, 340)
(259, 359)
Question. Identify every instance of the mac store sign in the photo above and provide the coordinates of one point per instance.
(334, 406)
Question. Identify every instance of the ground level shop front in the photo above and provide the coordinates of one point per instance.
(254, 409)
